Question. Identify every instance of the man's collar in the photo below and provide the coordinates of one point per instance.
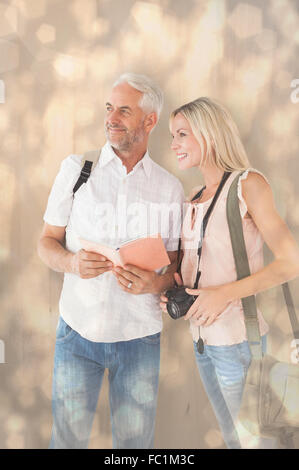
(108, 154)
(147, 164)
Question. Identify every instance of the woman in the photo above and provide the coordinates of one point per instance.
(205, 137)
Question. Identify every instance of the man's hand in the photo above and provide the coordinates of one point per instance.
(140, 281)
(87, 264)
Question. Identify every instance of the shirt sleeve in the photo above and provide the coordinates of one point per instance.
(61, 196)
(175, 217)
(242, 203)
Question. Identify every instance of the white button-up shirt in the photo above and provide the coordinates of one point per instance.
(111, 208)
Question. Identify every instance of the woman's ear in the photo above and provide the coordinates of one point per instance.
(150, 121)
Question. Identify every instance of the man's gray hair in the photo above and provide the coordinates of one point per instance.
(152, 99)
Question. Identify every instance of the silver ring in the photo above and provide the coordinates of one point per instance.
(130, 285)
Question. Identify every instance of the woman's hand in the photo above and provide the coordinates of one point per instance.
(164, 299)
(210, 303)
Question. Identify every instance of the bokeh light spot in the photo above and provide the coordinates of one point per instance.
(246, 20)
(46, 33)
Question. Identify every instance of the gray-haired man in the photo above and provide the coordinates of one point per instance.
(110, 317)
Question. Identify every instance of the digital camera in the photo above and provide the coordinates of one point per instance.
(179, 301)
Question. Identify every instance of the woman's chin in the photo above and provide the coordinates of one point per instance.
(184, 164)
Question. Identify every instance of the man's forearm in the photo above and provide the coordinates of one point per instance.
(164, 282)
(54, 255)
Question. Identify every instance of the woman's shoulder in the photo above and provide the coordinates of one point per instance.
(252, 180)
(253, 176)
(252, 184)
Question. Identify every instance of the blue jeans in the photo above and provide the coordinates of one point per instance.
(223, 372)
(79, 367)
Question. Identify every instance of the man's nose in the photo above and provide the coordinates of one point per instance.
(113, 117)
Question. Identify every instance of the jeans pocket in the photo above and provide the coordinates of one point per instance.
(64, 332)
(151, 339)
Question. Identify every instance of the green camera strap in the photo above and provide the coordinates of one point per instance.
(243, 270)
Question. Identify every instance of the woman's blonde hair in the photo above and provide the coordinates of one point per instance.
(210, 121)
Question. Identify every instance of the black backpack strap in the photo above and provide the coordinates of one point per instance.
(89, 161)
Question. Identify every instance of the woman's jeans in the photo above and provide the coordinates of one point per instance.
(223, 372)
(133, 386)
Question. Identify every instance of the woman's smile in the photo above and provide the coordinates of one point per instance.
(181, 156)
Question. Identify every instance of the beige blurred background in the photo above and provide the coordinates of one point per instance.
(58, 59)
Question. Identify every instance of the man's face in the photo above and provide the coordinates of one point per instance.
(124, 120)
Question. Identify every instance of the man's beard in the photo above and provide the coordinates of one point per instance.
(125, 142)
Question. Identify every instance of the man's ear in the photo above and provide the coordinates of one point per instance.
(150, 121)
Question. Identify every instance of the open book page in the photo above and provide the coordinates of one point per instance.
(110, 253)
(147, 253)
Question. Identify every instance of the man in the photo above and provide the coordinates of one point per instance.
(110, 317)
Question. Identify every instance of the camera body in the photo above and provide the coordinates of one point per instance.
(179, 301)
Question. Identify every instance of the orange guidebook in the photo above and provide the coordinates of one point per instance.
(146, 253)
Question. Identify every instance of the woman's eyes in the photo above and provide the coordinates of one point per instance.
(180, 134)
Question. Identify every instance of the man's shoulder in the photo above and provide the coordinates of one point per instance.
(71, 165)
(73, 159)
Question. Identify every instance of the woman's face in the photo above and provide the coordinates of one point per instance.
(184, 143)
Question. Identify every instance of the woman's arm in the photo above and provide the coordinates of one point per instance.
(260, 204)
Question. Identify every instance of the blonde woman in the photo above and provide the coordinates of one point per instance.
(206, 137)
